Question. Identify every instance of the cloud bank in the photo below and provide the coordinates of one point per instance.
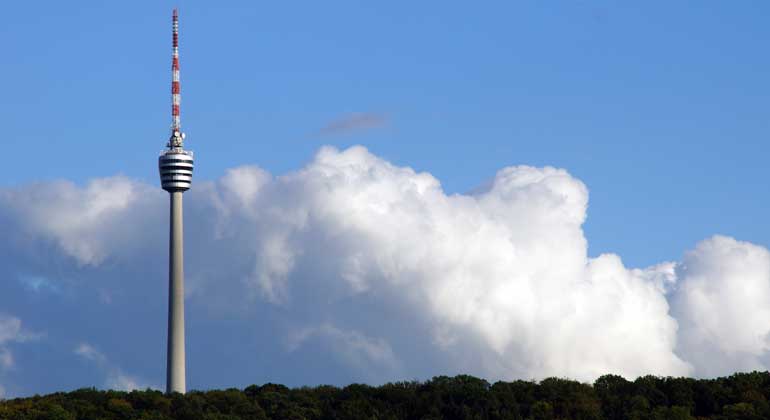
(372, 269)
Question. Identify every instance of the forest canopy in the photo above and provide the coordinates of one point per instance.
(611, 397)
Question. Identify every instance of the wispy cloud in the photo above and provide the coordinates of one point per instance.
(372, 357)
(88, 352)
(356, 346)
(116, 378)
(38, 284)
(11, 331)
(357, 121)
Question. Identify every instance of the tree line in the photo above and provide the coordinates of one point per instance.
(611, 397)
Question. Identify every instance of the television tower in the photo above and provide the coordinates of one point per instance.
(176, 167)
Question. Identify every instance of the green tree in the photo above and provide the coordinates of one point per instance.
(542, 410)
(741, 411)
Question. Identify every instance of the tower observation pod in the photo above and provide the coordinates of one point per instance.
(176, 166)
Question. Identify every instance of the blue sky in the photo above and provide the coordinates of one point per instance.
(660, 108)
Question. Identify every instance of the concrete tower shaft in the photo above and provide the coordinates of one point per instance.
(175, 357)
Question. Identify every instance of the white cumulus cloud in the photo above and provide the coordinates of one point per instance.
(502, 273)
(87, 222)
(723, 305)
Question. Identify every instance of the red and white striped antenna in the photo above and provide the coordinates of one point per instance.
(176, 88)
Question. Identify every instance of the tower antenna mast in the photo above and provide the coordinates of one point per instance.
(177, 137)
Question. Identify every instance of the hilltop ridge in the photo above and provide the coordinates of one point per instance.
(610, 397)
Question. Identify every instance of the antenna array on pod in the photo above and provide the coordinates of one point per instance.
(176, 168)
(176, 87)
